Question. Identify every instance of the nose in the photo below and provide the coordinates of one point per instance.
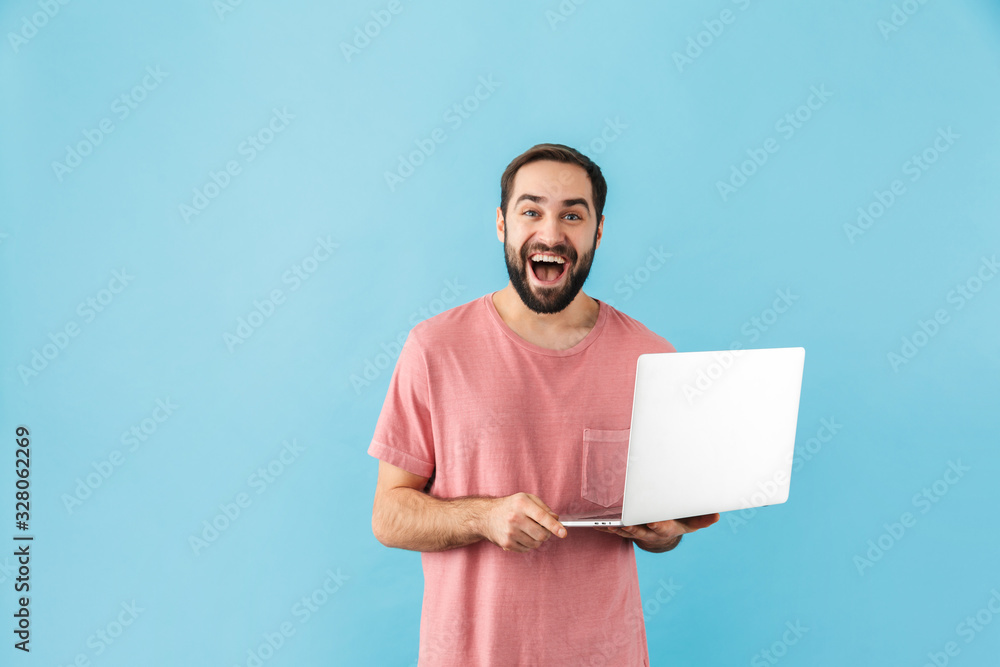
(550, 232)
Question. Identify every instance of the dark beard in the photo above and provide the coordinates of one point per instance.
(549, 299)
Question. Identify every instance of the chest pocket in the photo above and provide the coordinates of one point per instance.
(605, 453)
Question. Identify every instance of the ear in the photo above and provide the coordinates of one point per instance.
(600, 233)
(500, 224)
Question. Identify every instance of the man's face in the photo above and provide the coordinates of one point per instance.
(550, 215)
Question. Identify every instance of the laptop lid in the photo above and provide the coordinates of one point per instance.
(711, 432)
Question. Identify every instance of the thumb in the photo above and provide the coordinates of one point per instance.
(539, 501)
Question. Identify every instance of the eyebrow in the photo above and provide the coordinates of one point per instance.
(566, 202)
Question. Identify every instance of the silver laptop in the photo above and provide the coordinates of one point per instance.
(711, 432)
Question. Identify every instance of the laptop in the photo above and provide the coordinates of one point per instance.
(711, 432)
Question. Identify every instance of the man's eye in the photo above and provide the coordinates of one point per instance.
(527, 212)
(575, 216)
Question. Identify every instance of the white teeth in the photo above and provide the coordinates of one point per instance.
(548, 258)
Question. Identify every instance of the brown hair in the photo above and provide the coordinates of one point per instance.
(556, 153)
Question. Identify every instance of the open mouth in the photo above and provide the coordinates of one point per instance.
(548, 269)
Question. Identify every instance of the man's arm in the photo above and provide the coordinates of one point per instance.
(405, 517)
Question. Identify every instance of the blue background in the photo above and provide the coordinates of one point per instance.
(673, 129)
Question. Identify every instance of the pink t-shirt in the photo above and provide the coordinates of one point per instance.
(484, 412)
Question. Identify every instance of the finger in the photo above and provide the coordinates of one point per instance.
(693, 523)
(547, 519)
(641, 533)
(539, 501)
(532, 533)
(668, 527)
(521, 544)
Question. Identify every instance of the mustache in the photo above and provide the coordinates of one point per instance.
(555, 250)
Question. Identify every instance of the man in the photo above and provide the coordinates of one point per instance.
(503, 413)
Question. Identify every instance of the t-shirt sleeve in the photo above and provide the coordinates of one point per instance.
(403, 434)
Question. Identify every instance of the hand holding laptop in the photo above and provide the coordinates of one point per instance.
(711, 432)
(519, 522)
(662, 533)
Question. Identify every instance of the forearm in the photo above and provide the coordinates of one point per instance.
(658, 549)
(409, 519)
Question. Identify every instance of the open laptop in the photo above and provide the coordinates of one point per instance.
(711, 432)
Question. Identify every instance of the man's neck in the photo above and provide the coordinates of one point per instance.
(556, 331)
